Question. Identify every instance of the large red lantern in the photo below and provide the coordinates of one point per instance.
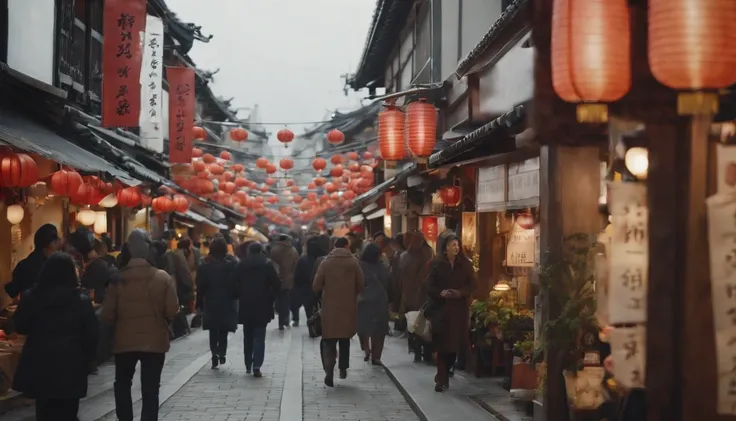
(336, 159)
(65, 182)
(270, 168)
(197, 153)
(216, 169)
(286, 164)
(349, 195)
(320, 181)
(17, 170)
(367, 155)
(391, 134)
(336, 171)
(319, 164)
(181, 204)
(85, 195)
(273, 200)
(335, 137)
(262, 163)
(270, 181)
(241, 182)
(199, 133)
(691, 48)
(225, 155)
(591, 59)
(209, 158)
(199, 166)
(129, 197)
(450, 195)
(237, 168)
(285, 136)
(352, 156)
(229, 187)
(421, 128)
(163, 204)
(330, 187)
(239, 134)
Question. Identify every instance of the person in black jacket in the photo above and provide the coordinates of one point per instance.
(98, 271)
(61, 342)
(258, 286)
(46, 241)
(302, 294)
(217, 294)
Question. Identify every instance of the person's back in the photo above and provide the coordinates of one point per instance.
(139, 305)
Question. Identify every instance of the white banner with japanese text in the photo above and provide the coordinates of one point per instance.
(151, 117)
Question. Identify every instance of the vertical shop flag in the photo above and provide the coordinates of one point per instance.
(151, 116)
(123, 25)
(429, 227)
(181, 113)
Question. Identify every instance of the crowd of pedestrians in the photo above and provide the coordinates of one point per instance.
(80, 305)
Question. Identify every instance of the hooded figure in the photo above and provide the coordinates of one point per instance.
(302, 294)
(258, 287)
(285, 257)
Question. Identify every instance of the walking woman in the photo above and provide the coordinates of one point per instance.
(450, 282)
(62, 341)
(373, 304)
(258, 286)
(217, 294)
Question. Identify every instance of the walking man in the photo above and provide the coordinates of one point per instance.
(340, 280)
(285, 257)
(139, 305)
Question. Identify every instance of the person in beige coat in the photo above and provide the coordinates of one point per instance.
(139, 306)
(340, 280)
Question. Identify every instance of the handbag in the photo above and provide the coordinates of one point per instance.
(422, 327)
(314, 324)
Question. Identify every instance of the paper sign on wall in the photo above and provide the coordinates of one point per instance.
(151, 116)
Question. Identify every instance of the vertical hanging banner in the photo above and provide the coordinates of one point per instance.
(429, 227)
(181, 113)
(629, 259)
(123, 24)
(151, 116)
(722, 247)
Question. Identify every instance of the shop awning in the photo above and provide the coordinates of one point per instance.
(199, 218)
(458, 150)
(20, 132)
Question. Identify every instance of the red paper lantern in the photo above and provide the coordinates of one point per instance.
(209, 158)
(367, 155)
(17, 170)
(330, 188)
(349, 195)
(311, 186)
(273, 200)
(352, 156)
(285, 136)
(264, 188)
(216, 169)
(241, 182)
(181, 204)
(270, 181)
(228, 176)
(312, 195)
(85, 195)
(335, 137)
(591, 59)
(129, 197)
(297, 199)
(270, 168)
(391, 134)
(225, 155)
(239, 134)
(197, 153)
(337, 159)
(691, 48)
(163, 204)
(421, 128)
(198, 166)
(366, 171)
(320, 181)
(199, 133)
(229, 187)
(336, 171)
(261, 162)
(286, 164)
(237, 168)
(450, 195)
(295, 189)
(319, 164)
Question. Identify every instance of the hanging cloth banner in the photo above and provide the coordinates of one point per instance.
(122, 55)
(181, 113)
(151, 117)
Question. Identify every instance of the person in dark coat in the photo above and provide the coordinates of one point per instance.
(217, 294)
(302, 294)
(373, 304)
(61, 342)
(124, 257)
(98, 272)
(104, 249)
(450, 282)
(46, 241)
(258, 286)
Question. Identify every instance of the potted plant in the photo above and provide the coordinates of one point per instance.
(569, 284)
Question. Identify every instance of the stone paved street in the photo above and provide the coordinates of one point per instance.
(292, 387)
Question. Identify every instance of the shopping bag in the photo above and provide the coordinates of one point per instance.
(314, 323)
(422, 327)
(411, 317)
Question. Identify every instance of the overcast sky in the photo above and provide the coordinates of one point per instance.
(287, 56)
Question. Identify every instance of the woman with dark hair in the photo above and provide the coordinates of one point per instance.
(217, 294)
(61, 342)
(373, 304)
(450, 282)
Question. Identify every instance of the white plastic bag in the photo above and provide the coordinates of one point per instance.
(411, 317)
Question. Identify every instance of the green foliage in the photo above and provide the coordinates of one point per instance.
(570, 286)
